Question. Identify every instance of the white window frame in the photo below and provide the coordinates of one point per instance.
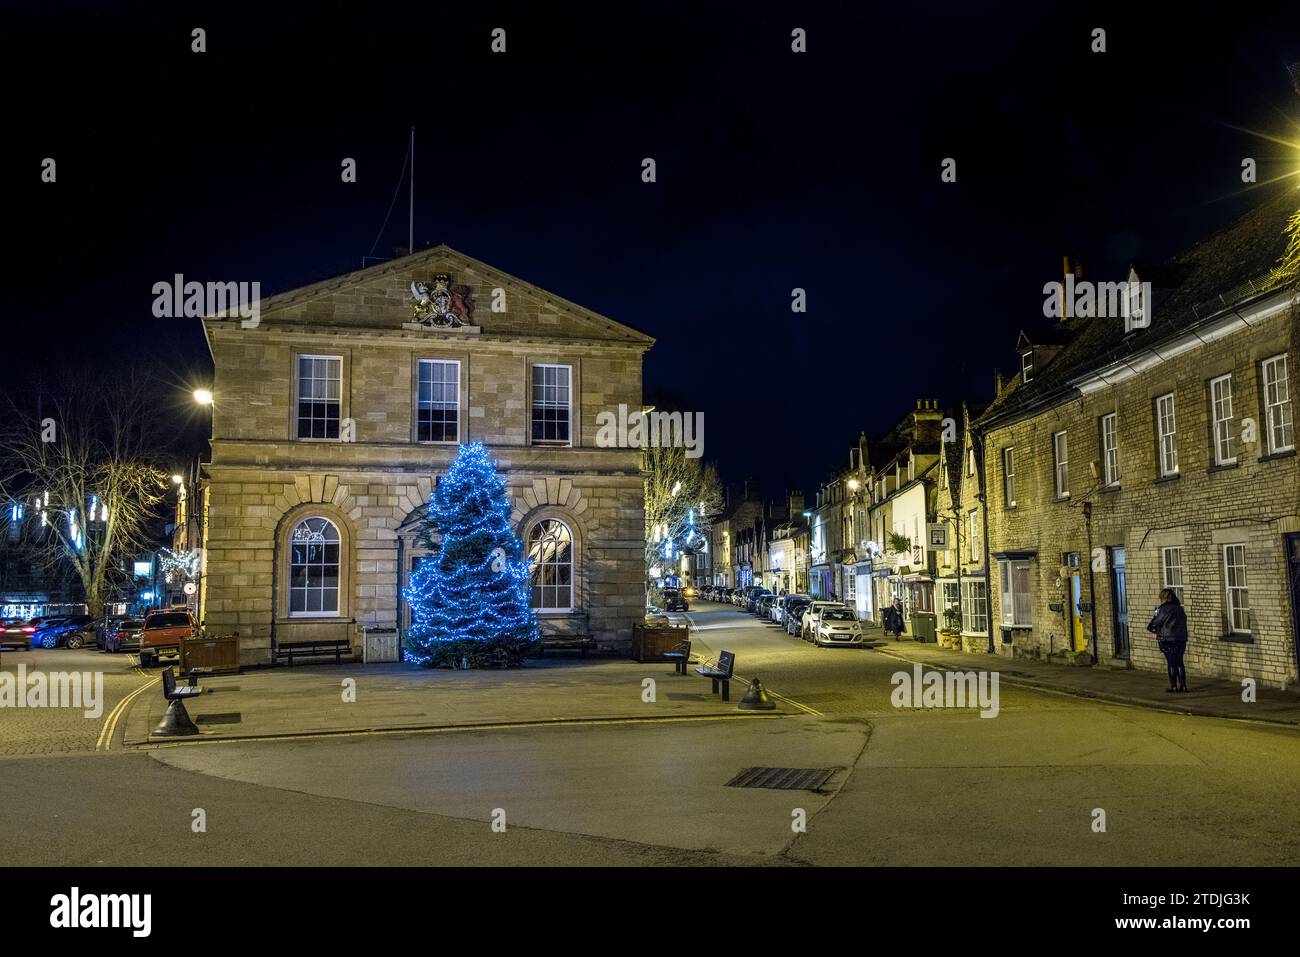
(1109, 429)
(419, 365)
(1169, 570)
(298, 398)
(337, 542)
(533, 405)
(1236, 596)
(1221, 416)
(1009, 476)
(1026, 365)
(972, 535)
(1278, 420)
(1061, 463)
(970, 602)
(1017, 607)
(1166, 435)
(535, 566)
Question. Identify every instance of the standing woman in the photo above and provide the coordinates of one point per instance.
(1170, 628)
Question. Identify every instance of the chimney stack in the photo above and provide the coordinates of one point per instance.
(997, 383)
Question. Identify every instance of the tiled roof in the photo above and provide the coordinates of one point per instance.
(1218, 272)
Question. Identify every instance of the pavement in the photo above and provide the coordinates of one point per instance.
(563, 763)
(1207, 697)
(352, 698)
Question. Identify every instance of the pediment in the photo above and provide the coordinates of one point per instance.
(440, 293)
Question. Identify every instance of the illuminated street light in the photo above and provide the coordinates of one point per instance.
(176, 480)
(203, 396)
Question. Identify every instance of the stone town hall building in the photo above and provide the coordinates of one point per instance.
(338, 409)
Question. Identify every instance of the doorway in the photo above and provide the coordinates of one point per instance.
(1291, 543)
(1119, 600)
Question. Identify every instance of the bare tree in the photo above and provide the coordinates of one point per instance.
(79, 459)
(682, 497)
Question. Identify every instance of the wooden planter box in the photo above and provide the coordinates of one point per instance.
(219, 654)
(651, 644)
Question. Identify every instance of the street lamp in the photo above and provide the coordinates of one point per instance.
(203, 396)
(177, 479)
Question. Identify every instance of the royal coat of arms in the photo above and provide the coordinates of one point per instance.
(441, 304)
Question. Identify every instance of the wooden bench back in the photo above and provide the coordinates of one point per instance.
(168, 681)
(726, 662)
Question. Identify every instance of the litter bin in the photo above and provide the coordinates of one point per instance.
(924, 626)
(378, 644)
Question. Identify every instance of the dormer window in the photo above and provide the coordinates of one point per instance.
(1026, 365)
(1136, 307)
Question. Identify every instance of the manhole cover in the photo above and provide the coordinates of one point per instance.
(784, 779)
(228, 717)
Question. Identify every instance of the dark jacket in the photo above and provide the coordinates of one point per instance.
(1169, 624)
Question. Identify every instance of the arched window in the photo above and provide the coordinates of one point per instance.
(314, 568)
(550, 546)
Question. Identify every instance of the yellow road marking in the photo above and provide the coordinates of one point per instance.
(453, 729)
(105, 741)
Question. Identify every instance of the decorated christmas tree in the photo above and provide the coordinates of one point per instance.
(470, 600)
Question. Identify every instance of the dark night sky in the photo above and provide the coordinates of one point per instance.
(775, 171)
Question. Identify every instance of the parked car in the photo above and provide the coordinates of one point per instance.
(162, 634)
(837, 626)
(763, 604)
(793, 602)
(71, 631)
(674, 600)
(751, 601)
(809, 626)
(125, 636)
(794, 619)
(781, 610)
(12, 635)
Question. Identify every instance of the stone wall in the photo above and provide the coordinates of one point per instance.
(1253, 502)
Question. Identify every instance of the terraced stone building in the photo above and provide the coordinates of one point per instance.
(1123, 459)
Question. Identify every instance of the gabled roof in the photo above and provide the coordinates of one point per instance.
(338, 301)
(1222, 271)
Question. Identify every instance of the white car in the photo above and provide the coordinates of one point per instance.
(837, 626)
(810, 618)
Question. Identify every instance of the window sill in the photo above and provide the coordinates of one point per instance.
(1106, 489)
(1168, 478)
(1273, 456)
(1059, 499)
(1225, 467)
(1238, 639)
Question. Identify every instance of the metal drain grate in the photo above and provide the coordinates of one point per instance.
(784, 779)
(225, 717)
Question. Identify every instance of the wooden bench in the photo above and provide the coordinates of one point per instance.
(319, 646)
(581, 643)
(720, 673)
(681, 657)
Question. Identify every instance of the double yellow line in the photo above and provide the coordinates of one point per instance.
(106, 733)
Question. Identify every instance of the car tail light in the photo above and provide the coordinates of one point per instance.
(28, 628)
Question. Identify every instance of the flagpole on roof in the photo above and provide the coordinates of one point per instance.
(410, 231)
